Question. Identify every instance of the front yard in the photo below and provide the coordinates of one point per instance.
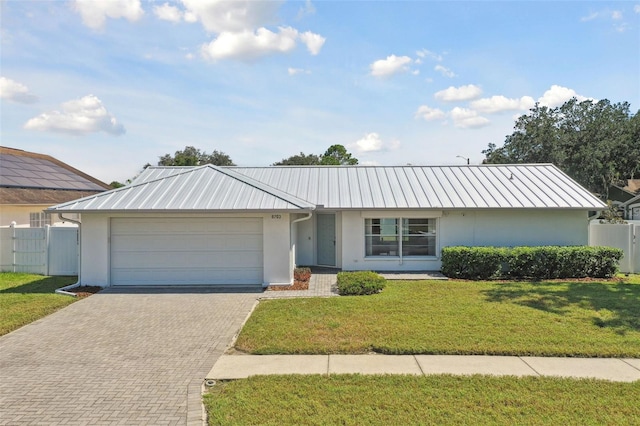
(559, 318)
(26, 297)
(555, 318)
(408, 400)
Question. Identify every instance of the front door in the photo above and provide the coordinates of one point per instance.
(326, 239)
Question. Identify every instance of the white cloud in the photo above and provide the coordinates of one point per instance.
(502, 103)
(557, 95)
(16, 92)
(95, 12)
(223, 16)
(392, 65)
(314, 42)
(166, 12)
(78, 116)
(636, 8)
(424, 53)
(248, 45)
(444, 71)
(616, 15)
(462, 93)
(371, 142)
(467, 118)
(295, 71)
(430, 114)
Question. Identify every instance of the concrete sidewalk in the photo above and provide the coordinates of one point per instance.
(242, 366)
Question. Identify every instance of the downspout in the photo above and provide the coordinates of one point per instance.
(63, 290)
(293, 222)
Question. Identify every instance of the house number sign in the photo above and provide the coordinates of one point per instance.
(276, 216)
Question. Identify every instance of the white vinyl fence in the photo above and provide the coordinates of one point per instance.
(46, 251)
(623, 236)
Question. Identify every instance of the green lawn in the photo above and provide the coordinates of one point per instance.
(407, 400)
(572, 318)
(26, 297)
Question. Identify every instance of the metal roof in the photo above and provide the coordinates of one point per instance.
(522, 186)
(429, 187)
(201, 188)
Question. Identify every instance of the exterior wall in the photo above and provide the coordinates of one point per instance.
(505, 228)
(20, 215)
(95, 249)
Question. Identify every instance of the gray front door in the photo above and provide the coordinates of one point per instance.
(326, 239)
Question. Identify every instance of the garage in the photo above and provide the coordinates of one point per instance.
(186, 251)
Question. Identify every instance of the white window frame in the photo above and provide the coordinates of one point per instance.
(39, 219)
(399, 235)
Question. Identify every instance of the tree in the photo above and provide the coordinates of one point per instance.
(596, 143)
(337, 155)
(115, 184)
(301, 159)
(191, 156)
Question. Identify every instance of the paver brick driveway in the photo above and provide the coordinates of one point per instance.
(135, 358)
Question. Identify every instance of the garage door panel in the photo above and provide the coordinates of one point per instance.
(190, 251)
(196, 259)
(168, 276)
(185, 243)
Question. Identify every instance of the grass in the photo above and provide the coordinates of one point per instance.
(556, 318)
(25, 298)
(408, 400)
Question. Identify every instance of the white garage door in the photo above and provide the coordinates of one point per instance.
(190, 251)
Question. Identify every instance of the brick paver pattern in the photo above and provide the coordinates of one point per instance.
(134, 358)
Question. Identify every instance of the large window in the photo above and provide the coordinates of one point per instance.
(39, 220)
(400, 237)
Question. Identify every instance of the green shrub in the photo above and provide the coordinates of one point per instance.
(472, 263)
(543, 262)
(359, 283)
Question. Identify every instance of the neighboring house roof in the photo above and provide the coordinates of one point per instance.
(344, 187)
(200, 188)
(619, 194)
(634, 200)
(31, 178)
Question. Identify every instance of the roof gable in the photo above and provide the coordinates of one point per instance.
(202, 188)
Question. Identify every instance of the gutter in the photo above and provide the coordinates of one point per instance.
(64, 290)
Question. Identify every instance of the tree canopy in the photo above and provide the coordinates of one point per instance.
(335, 155)
(191, 156)
(596, 143)
(301, 159)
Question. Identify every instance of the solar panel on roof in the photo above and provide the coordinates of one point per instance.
(28, 172)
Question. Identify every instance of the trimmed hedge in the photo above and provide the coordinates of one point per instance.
(544, 262)
(359, 283)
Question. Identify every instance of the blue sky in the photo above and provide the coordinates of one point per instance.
(108, 86)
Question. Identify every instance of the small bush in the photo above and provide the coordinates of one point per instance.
(543, 262)
(302, 274)
(359, 283)
(472, 263)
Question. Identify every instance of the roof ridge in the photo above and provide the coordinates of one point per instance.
(278, 193)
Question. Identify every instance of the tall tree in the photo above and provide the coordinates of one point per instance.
(301, 159)
(337, 155)
(596, 143)
(191, 156)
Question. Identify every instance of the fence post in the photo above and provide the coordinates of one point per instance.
(13, 245)
(47, 240)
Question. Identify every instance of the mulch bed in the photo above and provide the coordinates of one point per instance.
(85, 291)
(297, 285)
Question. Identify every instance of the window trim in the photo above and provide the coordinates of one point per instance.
(41, 220)
(400, 235)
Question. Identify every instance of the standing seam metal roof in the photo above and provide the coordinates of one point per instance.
(522, 186)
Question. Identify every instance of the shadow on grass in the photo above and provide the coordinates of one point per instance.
(42, 285)
(613, 305)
